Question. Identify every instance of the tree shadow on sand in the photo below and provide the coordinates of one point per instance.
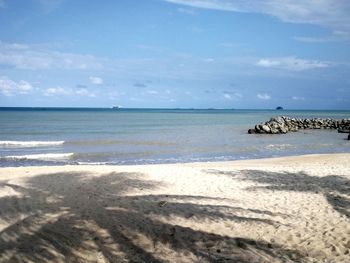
(335, 188)
(78, 217)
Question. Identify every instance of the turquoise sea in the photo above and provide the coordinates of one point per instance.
(50, 136)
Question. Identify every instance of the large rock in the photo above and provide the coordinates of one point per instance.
(282, 124)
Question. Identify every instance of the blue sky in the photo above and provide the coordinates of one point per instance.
(175, 53)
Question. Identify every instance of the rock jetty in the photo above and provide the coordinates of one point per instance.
(282, 124)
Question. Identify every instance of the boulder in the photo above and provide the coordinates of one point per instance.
(274, 131)
(266, 128)
(283, 129)
(251, 131)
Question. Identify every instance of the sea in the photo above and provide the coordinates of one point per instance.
(62, 136)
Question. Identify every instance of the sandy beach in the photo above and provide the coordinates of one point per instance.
(290, 209)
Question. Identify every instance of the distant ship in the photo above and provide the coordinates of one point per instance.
(279, 108)
(116, 107)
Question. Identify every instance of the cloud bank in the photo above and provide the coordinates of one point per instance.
(329, 13)
(21, 56)
(292, 63)
(263, 96)
(9, 87)
(59, 91)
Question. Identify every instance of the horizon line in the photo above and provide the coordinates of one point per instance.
(163, 108)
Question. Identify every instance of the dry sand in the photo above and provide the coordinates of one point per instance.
(293, 209)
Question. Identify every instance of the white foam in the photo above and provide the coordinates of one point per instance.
(279, 146)
(43, 157)
(93, 163)
(14, 144)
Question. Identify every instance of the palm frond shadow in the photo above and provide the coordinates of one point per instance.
(335, 188)
(77, 217)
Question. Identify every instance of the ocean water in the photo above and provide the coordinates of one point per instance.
(33, 136)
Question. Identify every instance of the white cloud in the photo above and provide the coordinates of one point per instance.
(268, 63)
(329, 13)
(96, 80)
(57, 91)
(292, 63)
(298, 98)
(263, 96)
(9, 87)
(232, 95)
(227, 96)
(34, 57)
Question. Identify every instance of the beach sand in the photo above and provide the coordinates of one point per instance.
(291, 209)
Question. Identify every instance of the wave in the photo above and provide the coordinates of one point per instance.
(98, 163)
(21, 144)
(42, 157)
(279, 146)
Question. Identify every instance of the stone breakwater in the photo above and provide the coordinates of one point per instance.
(282, 124)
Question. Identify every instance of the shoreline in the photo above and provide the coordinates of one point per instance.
(283, 209)
(206, 163)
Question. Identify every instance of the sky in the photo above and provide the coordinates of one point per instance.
(175, 53)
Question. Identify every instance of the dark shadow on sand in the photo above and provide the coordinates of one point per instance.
(64, 201)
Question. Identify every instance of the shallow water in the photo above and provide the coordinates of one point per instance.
(137, 136)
